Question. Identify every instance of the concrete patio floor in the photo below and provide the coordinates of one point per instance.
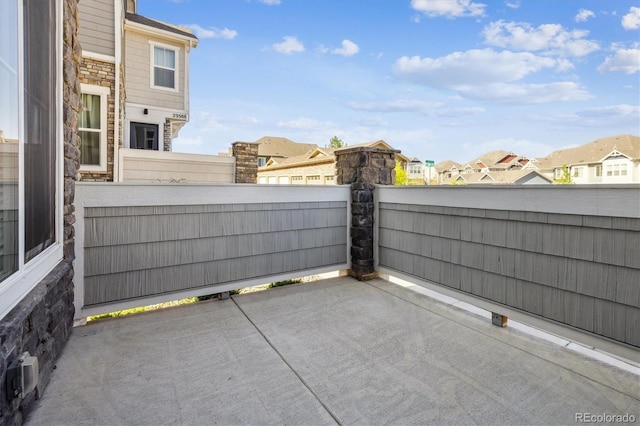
(333, 351)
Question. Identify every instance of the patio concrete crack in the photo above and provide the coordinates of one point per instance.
(304, 383)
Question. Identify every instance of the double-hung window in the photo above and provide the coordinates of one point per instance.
(92, 128)
(164, 69)
(30, 158)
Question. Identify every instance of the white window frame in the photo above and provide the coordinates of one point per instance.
(103, 92)
(176, 75)
(577, 172)
(18, 285)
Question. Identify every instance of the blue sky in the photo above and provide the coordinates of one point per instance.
(437, 79)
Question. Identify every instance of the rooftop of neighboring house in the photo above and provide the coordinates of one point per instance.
(504, 177)
(273, 146)
(595, 151)
(489, 159)
(312, 156)
(445, 165)
(592, 152)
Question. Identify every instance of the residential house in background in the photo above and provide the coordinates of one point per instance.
(415, 172)
(315, 167)
(505, 177)
(278, 148)
(495, 167)
(134, 77)
(614, 159)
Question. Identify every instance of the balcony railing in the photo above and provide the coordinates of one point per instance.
(569, 255)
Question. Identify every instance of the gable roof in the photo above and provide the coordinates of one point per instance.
(272, 146)
(313, 156)
(445, 165)
(595, 151)
(489, 159)
(503, 177)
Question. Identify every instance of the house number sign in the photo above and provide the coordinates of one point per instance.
(180, 116)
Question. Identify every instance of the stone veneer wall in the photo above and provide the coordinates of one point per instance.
(166, 143)
(363, 168)
(246, 154)
(41, 323)
(99, 73)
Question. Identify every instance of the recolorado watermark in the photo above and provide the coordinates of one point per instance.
(604, 418)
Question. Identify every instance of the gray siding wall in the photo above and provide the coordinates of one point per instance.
(580, 270)
(97, 26)
(137, 251)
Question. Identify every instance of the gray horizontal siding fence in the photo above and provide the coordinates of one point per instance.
(568, 254)
(140, 244)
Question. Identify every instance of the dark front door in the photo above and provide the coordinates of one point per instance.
(144, 136)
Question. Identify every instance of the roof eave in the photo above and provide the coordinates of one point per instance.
(146, 29)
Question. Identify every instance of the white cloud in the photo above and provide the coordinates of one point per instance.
(565, 91)
(631, 21)
(448, 8)
(458, 112)
(270, 2)
(609, 116)
(289, 45)
(612, 111)
(398, 105)
(211, 32)
(432, 108)
(304, 123)
(512, 4)
(623, 60)
(473, 67)
(547, 38)
(348, 48)
(371, 121)
(583, 15)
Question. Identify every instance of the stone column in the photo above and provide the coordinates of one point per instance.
(363, 168)
(166, 143)
(246, 154)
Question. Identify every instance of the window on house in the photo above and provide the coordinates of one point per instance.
(92, 128)
(164, 67)
(30, 223)
(599, 170)
(143, 136)
(262, 161)
(577, 172)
